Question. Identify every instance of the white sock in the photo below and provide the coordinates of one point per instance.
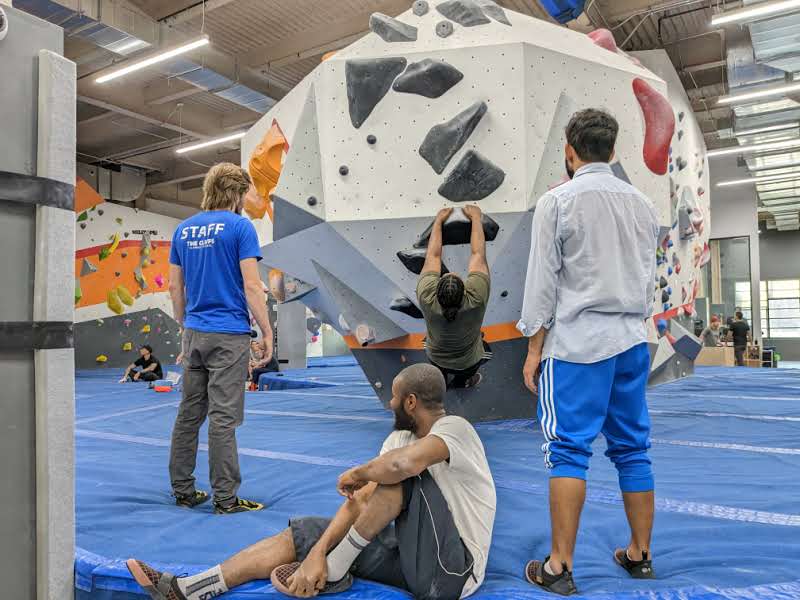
(208, 584)
(344, 555)
(547, 568)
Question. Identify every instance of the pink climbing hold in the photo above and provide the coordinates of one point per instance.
(127, 322)
(659, 123)
(603, 38)
(159, 279)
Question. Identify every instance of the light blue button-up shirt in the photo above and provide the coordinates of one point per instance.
(592, 267)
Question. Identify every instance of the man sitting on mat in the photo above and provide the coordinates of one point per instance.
(588, 291)
(454, 308)
(149, 367)
(418, 517)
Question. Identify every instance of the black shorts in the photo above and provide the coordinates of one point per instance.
(461, 376)
(421, 552)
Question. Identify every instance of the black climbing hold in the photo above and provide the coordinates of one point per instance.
(343, 170)
(371, 139)
(312, 201)
(117, 273)
(681, 162)
(458, 228)
(444, 29)
(665, 296)
(472, 179)
(491, 9)
(504, 294)
(83, 225)
(444, 140)
(414, 260)
(466, 13)
(406, 306)
(368, 81)
(313, 324)
(124, 255)
(392, 30)
(680, 116)
(680, 134)
(662, 283)
(429, 78)
(126, 234)
(100, 212)
(421, 7)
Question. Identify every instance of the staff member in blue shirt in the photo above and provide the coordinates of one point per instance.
(589, 289)
(213, 280)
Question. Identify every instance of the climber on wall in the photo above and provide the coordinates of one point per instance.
(149, 367)
(214, 279)
(454, 308)
(588, 291)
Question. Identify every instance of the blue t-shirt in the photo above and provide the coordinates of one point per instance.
(208, 248)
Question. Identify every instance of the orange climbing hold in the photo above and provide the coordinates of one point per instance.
(277, 285)
(265, 170)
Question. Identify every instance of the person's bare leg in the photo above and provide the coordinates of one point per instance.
(258, 561)
(639, 508)
(567, 495)
(381, 509)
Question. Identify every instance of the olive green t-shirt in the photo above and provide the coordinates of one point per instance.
(458, 344)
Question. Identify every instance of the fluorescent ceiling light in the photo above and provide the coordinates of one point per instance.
(757, 11)
(780, 90)
(754, 148)
(129, 46)
(784, 200)
(767, 129)
(759, 180)
(213, 142)
(154, 59)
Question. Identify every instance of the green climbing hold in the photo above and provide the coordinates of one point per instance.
(78, 291)
(82, 217)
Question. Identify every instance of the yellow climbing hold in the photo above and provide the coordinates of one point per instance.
(146, 329)
(125, 295)
(101, 359)
(109, 250)
(127, 347)
(114, 303)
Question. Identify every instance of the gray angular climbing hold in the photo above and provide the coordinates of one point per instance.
(491, 9)
(445, 140)
(466, 13)
(473, 178)
(662, 283)
(680, 116)
(407, 307)
(664, 296)
(681, 162)
(87, 267)
(458, 229)
(392, 30)
(421, 7)
(429, 78)
(619, 171)
(414, 260)
(444, 29)
(680, 134)
(368, 81)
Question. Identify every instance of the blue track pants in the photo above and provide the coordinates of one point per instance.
(578, 401)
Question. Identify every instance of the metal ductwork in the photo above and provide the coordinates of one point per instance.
(125, 185)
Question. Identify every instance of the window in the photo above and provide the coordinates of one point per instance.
(744, 299)
(782, 308)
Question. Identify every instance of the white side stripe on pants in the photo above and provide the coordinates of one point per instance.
(549, 420)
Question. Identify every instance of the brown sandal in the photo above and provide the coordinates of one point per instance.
(280, 580)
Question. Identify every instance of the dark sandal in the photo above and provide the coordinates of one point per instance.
(280, 580)
(160, 586)
(638, 569)
(562, 584)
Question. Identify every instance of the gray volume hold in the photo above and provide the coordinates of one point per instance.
(473, 178)
(491, 9)
(392, 30)
(444, 29)
(444, 140)
(368, 81)
(466, 13)
(429, 78)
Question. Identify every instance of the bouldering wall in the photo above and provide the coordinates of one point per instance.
(452, 102)
(121, 285)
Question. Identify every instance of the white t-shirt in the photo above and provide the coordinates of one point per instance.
(466, 484)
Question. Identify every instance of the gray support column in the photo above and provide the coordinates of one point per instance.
(292, 335)
(54, 369)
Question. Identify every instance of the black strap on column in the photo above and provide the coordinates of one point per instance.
(36, 335)
(28, 189)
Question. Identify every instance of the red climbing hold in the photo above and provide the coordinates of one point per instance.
(659, 123)
(603, 38)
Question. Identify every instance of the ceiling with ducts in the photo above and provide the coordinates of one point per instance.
(260, 49)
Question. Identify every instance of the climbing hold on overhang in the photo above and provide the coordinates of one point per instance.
(368, 81)
(446, 139)
(392, 30)
(429, 78)
(472, 179)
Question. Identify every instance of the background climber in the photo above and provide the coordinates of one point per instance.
(260, 363)
(454, 308)
(149, 367)
(213, 280)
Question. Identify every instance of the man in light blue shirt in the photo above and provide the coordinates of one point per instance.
(589, 290)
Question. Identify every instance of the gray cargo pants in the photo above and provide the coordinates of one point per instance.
(215, 372)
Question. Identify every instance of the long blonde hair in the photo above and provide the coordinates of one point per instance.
(224, 187)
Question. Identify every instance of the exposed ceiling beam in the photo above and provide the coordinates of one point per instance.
(142, 117)
(240, 119)
(176, 181)
(95, 118)
(704, 67)
(169, 89)
(194, 12)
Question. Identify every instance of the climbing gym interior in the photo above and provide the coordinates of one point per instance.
(356, 122)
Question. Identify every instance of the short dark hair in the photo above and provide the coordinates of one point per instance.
(592, 133)
(450, 294)
(425, 381)
(739, 315)
(146, 347)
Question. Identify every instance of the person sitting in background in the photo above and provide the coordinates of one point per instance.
(260, 363)
(711, 334)
(149, 367)
(740, 335)
(454, 308)
(418, 517)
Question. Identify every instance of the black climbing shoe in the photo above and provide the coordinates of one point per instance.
(191, 500)
(239, 506)
(561, 584)
(638, 569)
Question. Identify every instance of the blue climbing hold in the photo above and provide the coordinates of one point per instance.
(670, 244)
(669, 271)
(662, 325)
(563, 11)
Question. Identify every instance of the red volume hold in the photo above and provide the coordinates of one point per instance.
(603, 38)
(659, 122)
